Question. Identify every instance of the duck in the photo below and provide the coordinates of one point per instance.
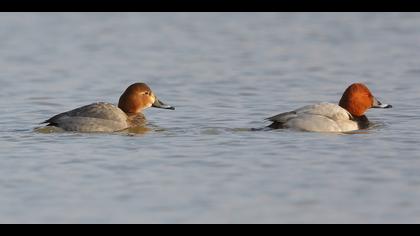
(106, 117)
(346, 116)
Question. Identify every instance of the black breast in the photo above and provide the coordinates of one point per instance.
(362, 121)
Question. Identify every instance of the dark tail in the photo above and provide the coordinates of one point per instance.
(276, 125)
(267, 128)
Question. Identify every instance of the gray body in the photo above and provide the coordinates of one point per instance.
(96, 117)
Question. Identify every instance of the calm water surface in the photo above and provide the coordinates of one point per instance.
(225, 73)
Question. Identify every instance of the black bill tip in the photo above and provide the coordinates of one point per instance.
(161, 105)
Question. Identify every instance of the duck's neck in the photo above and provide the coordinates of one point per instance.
(362, 121)
(137, 119)
(131, 114)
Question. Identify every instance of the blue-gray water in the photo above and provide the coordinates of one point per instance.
(224, 73)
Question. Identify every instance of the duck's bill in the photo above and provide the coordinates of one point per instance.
(383, 106)
(159, 104)
(378, 104)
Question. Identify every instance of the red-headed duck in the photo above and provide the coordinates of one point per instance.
(106, 117)
(348, 115)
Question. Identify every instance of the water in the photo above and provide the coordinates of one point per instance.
(224, 73)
